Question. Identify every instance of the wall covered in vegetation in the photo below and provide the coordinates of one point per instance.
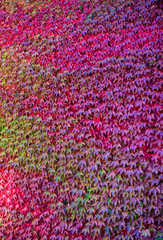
(80, 120)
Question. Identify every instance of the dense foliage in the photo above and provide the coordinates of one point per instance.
(80, 121)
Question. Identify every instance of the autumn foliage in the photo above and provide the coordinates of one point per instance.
(80, 120)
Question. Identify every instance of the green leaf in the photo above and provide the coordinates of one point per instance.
(31, 165)
(59, 204)
(47, 193)
(79, 174)
(79, 200)
(2, 154)
(102, 172)
(52, 205)
(68, 150)
(146, 233)
(37, 167)
(51, 170)
(58, 178)
(88, 195)
(109, 200)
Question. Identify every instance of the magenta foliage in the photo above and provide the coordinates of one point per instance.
(87, 78)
